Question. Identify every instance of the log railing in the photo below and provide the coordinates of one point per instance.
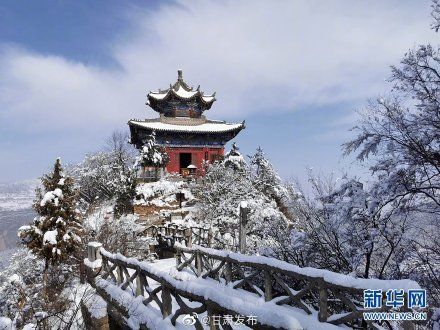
(171, 234)
(121, 281)
(335, 298)
(138, 288)
(188, 236)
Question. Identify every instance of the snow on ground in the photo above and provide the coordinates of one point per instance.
(5, 323)
(161, 193)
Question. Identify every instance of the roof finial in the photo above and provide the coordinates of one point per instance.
(179, 75)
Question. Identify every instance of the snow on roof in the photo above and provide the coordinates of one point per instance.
(181, 93)
(184, 93)
(181, 90)
(208, 127)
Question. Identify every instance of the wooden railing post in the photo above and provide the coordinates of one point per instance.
(212, 323)
(209, 237)
(140, 282)
(93, 254)
(267, 286)
(178, 257)
(322, 302)
(228, 272)
(199, 263)
(93, 251)
(244, 212)
(119, 275)
(166, 302)
(407, 325)
(188, 235)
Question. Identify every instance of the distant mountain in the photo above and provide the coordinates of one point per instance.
(17, 196)
(15, 210)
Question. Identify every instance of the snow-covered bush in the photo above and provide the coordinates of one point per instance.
(162, 193)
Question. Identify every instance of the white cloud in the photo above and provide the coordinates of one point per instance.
(275, 55)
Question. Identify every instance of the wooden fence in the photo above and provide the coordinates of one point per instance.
(168, 235)
(335, 298)
(116, 275)
(172, 234)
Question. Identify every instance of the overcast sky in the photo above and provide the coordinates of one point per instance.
(297, 71)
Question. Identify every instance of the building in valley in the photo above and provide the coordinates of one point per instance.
(182, 128)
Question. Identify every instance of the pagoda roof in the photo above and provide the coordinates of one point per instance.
(181, 90)
(208, 126)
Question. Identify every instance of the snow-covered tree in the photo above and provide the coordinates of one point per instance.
(19, 281)
(152, 155)
(347, 227)
(219, 194)
(29, 294)
(55, 234)
(108, 175)
(233, 159)
(96, 177)
(435, 15)
(123, 235)
(400, 136)
(266, 180)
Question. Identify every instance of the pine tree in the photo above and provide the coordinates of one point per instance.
(264, 175)
(54, 235)
(234, 159)
(266, 180)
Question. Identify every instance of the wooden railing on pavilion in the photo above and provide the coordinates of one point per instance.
(335, 298)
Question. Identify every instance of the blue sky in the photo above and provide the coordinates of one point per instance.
(73, 71)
